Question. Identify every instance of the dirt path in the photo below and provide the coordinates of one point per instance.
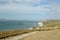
(19, 36)
(45, 35)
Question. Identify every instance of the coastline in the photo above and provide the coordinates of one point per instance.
(50, 25)
(20, 34)
(10, 33)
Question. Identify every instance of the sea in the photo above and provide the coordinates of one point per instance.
(17, 25)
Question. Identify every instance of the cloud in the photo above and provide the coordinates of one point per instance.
(43, 8)
(27, 6)
(23, 6)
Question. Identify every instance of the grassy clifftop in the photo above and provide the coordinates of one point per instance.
(5, 34)
(52, 23)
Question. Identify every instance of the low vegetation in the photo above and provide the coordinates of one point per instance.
(5, 34)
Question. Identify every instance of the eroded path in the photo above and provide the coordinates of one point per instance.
(45, 35)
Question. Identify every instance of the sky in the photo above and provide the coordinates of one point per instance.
(29, 9)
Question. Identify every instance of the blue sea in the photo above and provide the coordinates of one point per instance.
(16, 25)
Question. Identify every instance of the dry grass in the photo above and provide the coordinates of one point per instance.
(5, 34)
(52, 23)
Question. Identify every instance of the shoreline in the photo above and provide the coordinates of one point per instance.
(48, 26)
(17, 29)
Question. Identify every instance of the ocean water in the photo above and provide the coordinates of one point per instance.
(16, 25)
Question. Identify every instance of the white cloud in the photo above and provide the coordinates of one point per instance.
(43, 8)
(23, 9)
(25, 6)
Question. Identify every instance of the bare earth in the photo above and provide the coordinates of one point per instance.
(45, 35)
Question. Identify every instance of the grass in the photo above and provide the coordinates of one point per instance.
(5, 34)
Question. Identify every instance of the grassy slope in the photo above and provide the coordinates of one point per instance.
(52, 23)
(4, 34)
